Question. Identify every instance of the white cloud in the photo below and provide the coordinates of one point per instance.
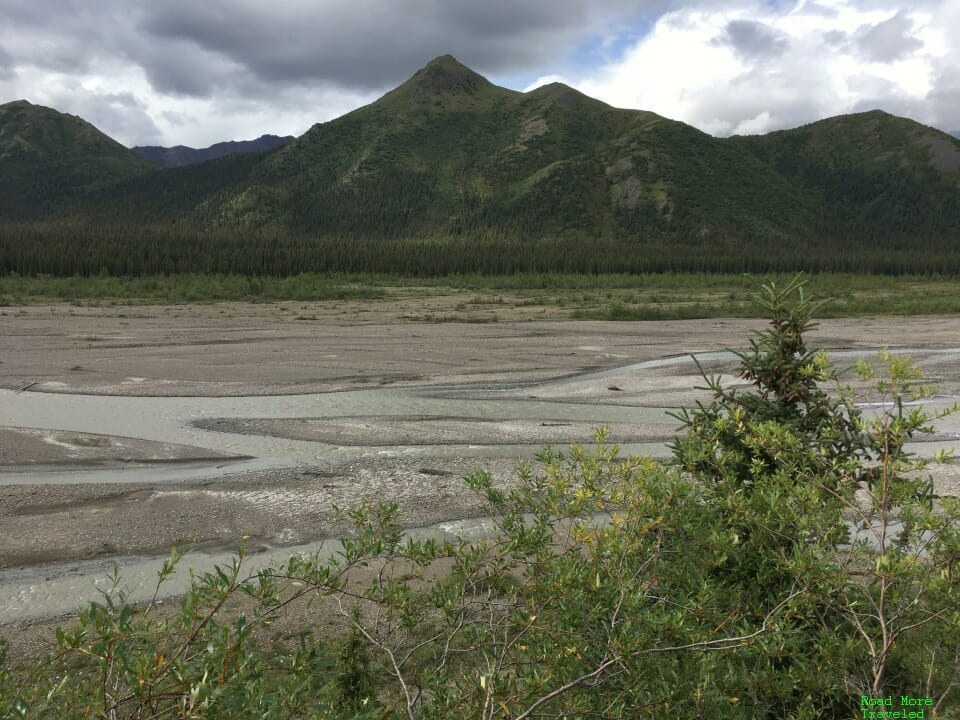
(669, 70)
(756, 125)
(747, 68)
(122, 102)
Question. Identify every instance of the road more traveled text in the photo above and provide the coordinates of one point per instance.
(910, 707)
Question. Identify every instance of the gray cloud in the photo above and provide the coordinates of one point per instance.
(120, 115)
(374, 45)
(198, 48)
(879, 93)
(182, 68)
(889, 40)
(944, 98)
(63, 35)
(282, 55)
(753, 40)
(815, 8)
(7, 71)
(835, 38)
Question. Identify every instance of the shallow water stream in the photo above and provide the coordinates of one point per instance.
(44, 591)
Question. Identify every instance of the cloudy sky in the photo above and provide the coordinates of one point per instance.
(195, 72)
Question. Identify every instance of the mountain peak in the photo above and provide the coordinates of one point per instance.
(25, 127)
(554, 90)
(445, 75)
(552, 87)
(27, 115)
(564, 95)
(446, 60)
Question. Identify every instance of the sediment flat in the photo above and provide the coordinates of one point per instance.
(295, 347)
(123, 430)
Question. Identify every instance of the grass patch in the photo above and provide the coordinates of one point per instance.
(186, 288)
(664, 296)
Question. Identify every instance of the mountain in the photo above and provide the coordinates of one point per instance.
(45, 154)
(182, 155)
(450, 173)
(448, 153)
(870, 172)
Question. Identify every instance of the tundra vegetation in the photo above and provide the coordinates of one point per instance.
(652, 296)
(791, 559)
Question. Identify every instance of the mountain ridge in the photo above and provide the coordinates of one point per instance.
(45, 154)
(180, 155)
(449, 159)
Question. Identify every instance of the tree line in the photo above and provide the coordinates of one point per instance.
(65, 249)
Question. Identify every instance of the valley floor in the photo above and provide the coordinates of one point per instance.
(126, 430)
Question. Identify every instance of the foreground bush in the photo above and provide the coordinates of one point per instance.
(791, 562)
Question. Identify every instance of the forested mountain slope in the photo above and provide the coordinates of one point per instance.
(450, 173)
(46, 155)
(874, 176)
(448, 153)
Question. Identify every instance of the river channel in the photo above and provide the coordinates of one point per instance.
(46, 590)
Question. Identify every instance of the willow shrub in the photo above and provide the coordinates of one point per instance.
(790, 561)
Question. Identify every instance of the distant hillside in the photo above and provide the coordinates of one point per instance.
(447, 153)
(450, 173)
(45, 154)
(873, 176)
(181, 155)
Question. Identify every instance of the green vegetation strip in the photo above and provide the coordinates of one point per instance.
(661, 296)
